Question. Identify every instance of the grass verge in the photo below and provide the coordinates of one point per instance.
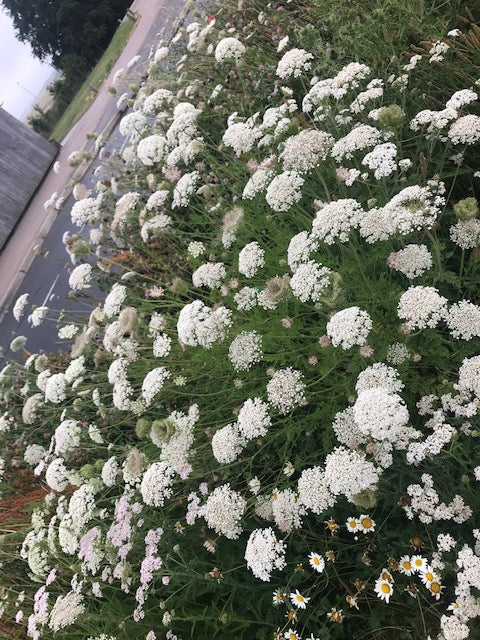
(85, 95)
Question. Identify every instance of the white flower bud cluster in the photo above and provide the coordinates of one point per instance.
(349, 327)
(264, 553)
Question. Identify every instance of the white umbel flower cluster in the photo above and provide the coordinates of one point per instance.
(224, 509)
(381, 414)
(463, 320)
(153, 383)
(349, 327)
(412, 261)
(286, 389)
(313, 491)
(66, 610)
(349, 473)
(81, 277)
(241, 136)
(229, 50)
(85, 211)
(310, 281)
(198, 325)
(422, 307)
(250, 259)
(264, 553)
(114, 300)
(184, 189)
(227, 444)
(336, 219)
(209, 275)
(253, 420)
(294, 63)
(156, 486)
(465, 130)
(305, 150)
(382, 160)
(55, 388)
(152, 150)
(285, 190)
(245, 350)
(20, 306)
(359, 138)
(466, 233)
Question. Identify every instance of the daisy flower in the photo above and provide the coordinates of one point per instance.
(330, 555)
(427, 575)
(298, 600)
(367, 525)
(418, 563)
(279, 597)
(435, 588)
(291, 634)
(405, 566)
(316, 562)
(353, 525)
(383, 589)
(335, 616)
(289, 469)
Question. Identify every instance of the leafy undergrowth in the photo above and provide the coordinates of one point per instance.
(268, 429)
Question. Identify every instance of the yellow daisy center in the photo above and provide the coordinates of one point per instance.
(386, 588)
(366, 523)
(407, 565)
(418, 562)
(429, 576)
(299, 598)
(435, 587)
(316, 561)
(353, 524)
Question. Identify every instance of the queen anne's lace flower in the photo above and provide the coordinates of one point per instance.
(336, 219)
(463, 320)
(381, 414)
(81, 277)
(227, 444)
(294, 63)
(156, 486)
(229, 50)
(153, 383)
(382, 160)
(349, 327)
(152, 150)
(245, 350)
(359, 138)
(209, 275)
(20, 306)
(349, 473)
(412, 261)
(250, 259)
(305, 150)
(422, 307)
(465, 130)
(85, 211)
(466, 233)
(224, 509)
(286, 389)
(310, 281)
(200, 325)
(241, 136)
(264, 553)
(313, 490)
(253, 419)
(285, 190)
(184, 189)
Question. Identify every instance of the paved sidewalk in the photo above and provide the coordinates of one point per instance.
(26, 240)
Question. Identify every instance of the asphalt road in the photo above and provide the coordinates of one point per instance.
(46, 280)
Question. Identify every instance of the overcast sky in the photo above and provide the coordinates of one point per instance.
(22, 77)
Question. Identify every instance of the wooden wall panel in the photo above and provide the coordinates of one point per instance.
(24, 159)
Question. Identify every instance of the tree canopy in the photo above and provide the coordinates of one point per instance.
(58, 29)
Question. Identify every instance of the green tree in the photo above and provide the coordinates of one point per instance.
(59, 28)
